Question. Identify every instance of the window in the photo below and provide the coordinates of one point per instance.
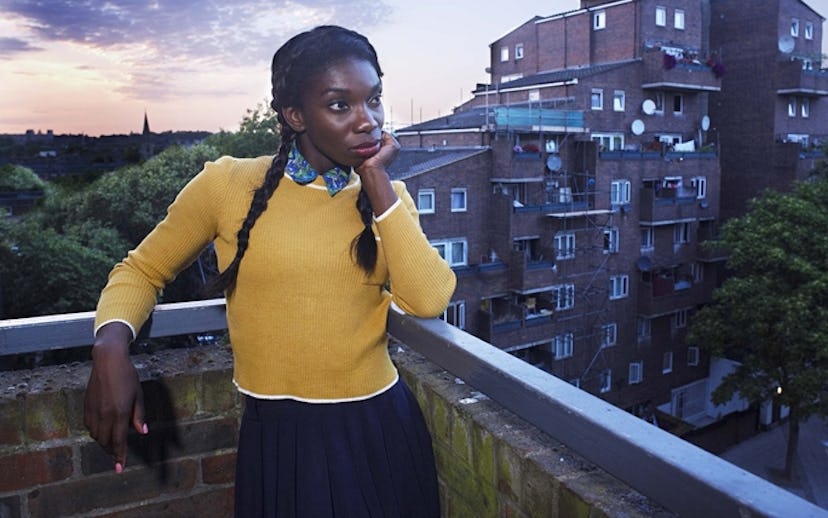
(792, 107)
(697, 271)
(458, 199)
(425, 201)
(609, 334)
(519, 51)
(807, 64)
(805, 107)
(795, 27)
(678, 19)
(599, 20)
(659, 102)
(620, 192)
(681, 233)
(564, 296)
(692, 356)
(809, 30)
(679, 319)
(667, 362)
(618, 100)
(534, 95)
(606, 380)
(643, 328)
(636, 373)
(611, 238)
(619, 286)
(609, 141)
(597, 102)
(454, 251)
(564, 245)
(700, 183)
(647, 238)
(576, 382)
(563, 345)
(504, 54)
(678, 104)
(661, 16)
(455, 314)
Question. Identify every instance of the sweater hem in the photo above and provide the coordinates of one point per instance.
(317, 400)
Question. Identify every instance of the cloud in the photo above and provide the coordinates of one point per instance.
(14, 45)
(205, 31)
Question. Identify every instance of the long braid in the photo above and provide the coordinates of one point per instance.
(226, 280)
(364, 245)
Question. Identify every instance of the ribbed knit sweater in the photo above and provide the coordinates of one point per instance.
(304, 321)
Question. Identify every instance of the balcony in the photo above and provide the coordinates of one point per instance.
(671, 205)
(686, 75)
(510, 439)
(667, 292)
(527, 272)
(793, 80)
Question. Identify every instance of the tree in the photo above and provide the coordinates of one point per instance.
(771, 315)
(258, 135)
(19, 178)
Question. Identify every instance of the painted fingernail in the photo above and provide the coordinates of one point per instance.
(145, 428)
(118, 467)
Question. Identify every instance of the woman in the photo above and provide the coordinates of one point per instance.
(328, 427)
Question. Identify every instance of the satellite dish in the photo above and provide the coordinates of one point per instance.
(553, 162)
(705, 123)
(786, 44)
(637, 127)
(644, 263)
(648, 106)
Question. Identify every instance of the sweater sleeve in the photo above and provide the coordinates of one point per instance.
(189, 226)
(422, 283)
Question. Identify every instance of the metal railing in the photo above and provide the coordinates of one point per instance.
(670, 471)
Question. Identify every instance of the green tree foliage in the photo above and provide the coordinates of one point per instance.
(19, 178)
(771, 315)
(258, 135)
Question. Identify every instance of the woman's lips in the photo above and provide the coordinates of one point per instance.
(367, 150)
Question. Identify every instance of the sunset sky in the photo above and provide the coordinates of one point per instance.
(93, 67)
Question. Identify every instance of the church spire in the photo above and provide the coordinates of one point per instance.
(146, 124)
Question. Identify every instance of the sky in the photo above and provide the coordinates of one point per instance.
(95, 66)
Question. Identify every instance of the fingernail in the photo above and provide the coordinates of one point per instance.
(118, 467)
(145, 428)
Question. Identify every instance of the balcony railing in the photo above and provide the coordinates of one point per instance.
(670, 471)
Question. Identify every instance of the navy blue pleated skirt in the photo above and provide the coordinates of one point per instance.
(369, 458)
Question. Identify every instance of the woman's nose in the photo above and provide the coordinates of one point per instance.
(367, 120)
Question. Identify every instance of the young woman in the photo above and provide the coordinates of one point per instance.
(313, 245)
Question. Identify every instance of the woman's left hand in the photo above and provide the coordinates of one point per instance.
(389, 148)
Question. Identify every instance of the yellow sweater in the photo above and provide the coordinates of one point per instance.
(305, 321)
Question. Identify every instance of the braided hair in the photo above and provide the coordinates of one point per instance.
(294, 65)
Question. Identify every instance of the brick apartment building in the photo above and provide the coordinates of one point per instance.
(573, 194)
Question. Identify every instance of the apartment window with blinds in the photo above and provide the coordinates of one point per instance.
(620, 192)
(564, 245)
(661, 16)
(425, 201)
(636, 373)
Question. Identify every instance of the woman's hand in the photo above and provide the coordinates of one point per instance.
(113, 396)
(374, 174)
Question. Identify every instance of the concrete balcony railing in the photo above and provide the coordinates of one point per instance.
(510, 439)
(792, 79)
(690, 77)
(672, 206)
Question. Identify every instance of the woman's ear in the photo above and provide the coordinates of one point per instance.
(294, 118)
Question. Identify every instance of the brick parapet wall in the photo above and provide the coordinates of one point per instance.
(490, 462)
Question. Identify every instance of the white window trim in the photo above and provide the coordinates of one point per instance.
(667, 362)
(459, 308)
(659, 102)
(692, 356)
(599, 20)
(606, 380)
(805, 107)
(618, 100)
(636, 372)
(649, 244)
(519, 51)
(680, 97)
(679, 19)
(792, 107)
(680, 319)
(795, 27)
(681, 233)
(563, 346)
(660, 16)
(428, 193)
(700, 183)
(504, 54)
(619, 287)
(564, 297)
(599, 92)
(643, 328)
(620, 192)
(565, 245)
(610, 141)
(465, 192)
(446, 246)
(612, 239)
(809, 30)
(609, 334)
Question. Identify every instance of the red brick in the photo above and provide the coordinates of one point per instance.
(220, 469)
(11, 426)
(216, 503)
(33, 468)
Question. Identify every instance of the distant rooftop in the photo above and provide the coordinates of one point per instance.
(414, 161)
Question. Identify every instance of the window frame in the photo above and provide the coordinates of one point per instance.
(518, 51)
(678, 99)
(809, 30)
(459, 309)
(700, 183)
(692, 356)
(795, 27)
(619, 100)
(596, 94)
(643, 328)
(647, 238)
(681, 233)
(679, 19)
(605, 381)
(447, 247)
(428, 193)
(565, 343)
(610, 141)
(459, 190)
(667, 362)
(564, 297)
(504, 54)
(792, 107)
(565, 243)
(619, 287)
(599, 20)
(612, 240)
(661, 16)
(609, 335)
(620, 192)
(635, 373)
(679, 318)
(805, 108)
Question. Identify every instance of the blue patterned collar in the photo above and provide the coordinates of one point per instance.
(303, 173)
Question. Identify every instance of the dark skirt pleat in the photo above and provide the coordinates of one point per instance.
(370, 458)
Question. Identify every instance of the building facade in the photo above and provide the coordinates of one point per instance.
(581, 220)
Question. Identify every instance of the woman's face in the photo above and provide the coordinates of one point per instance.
(341, 115)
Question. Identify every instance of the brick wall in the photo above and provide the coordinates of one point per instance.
(490, 462)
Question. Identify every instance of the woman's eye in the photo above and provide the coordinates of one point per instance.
(338, 106)
(376, 100)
